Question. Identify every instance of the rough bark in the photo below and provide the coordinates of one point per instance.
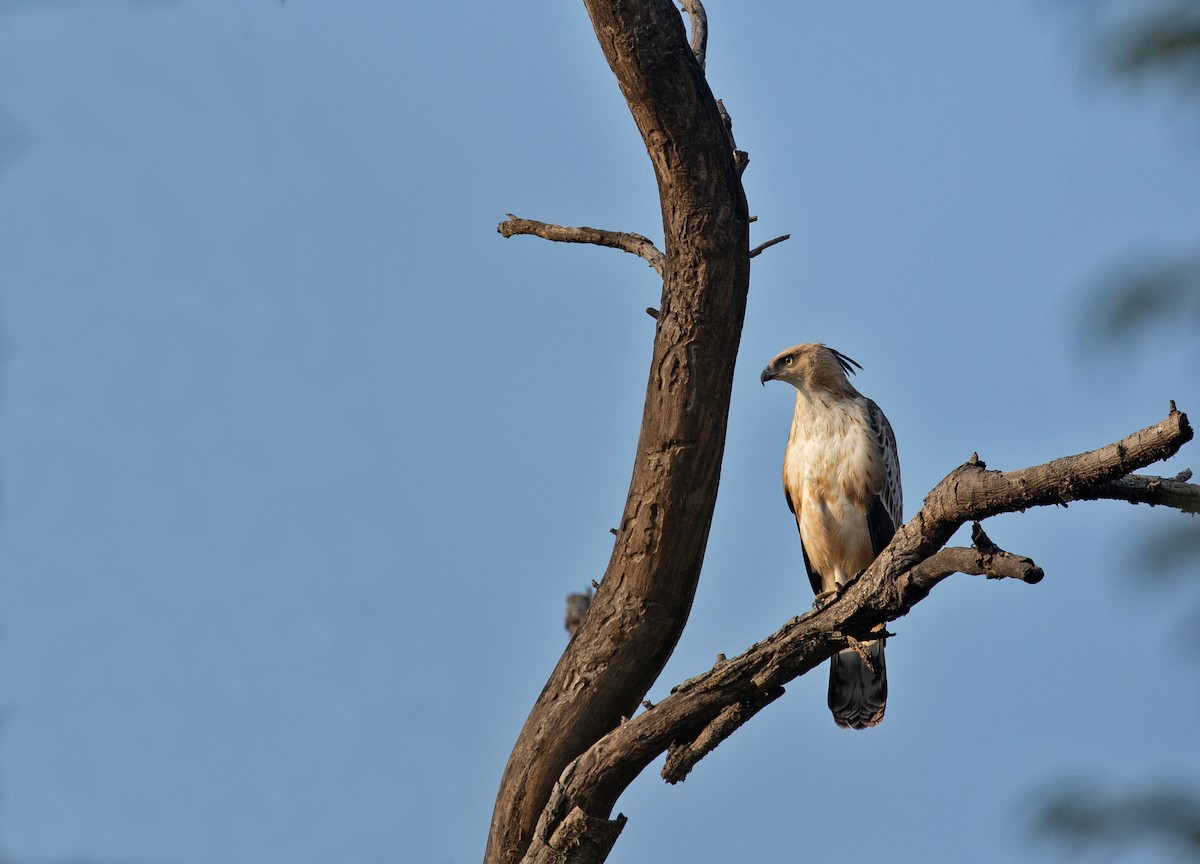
(646, 594)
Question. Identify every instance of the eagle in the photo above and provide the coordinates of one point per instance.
(841, 477)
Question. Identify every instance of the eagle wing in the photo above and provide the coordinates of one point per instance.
(886, 510)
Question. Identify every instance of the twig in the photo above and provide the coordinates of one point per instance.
(861, 650)
(757, 250)
(681, 758)
(699, 28)
(740, 157)
(635, 244)
(985, 559)
(1143, 489)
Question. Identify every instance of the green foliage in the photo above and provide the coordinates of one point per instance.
(1131, 303)
(1083, 818)
(1166, 40)
(1171, 553)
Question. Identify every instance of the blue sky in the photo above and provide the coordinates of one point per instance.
(299, 457)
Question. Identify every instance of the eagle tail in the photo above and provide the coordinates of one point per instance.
(858, 686)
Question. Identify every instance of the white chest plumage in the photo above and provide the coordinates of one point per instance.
(832, 471)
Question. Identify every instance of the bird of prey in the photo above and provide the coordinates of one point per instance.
(841, 477)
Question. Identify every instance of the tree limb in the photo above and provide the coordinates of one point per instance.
(635, 244)
(682, 757)
(903, 575)
(643, 601)
(698, 19)
(760, 248)
(740, 157)
(1142, 489)
(985, 558)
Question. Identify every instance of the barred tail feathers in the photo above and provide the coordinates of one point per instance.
(858, 686)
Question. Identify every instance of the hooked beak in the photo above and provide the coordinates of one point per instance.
(766, 376)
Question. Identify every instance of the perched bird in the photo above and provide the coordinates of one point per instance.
(841, 477)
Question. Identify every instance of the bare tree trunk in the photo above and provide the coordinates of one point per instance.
(646, 594)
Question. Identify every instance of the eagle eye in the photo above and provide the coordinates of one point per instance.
(789, 360)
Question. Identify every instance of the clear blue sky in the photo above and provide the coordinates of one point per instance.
(300, 457)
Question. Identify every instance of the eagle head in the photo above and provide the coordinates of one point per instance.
(812, 367)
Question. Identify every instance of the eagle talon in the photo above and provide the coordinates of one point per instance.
(826, 597)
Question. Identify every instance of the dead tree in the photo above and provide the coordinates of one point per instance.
(581, 745)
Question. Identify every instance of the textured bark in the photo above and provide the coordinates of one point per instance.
(646, 594)
(571, 836)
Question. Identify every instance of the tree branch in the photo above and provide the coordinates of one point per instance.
(759, 249)
(1166, 491)
(705, 707)
(698, 25)
(740, 157)
(643, 601)
(635, 244)
(984, 558)
(681, 758)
